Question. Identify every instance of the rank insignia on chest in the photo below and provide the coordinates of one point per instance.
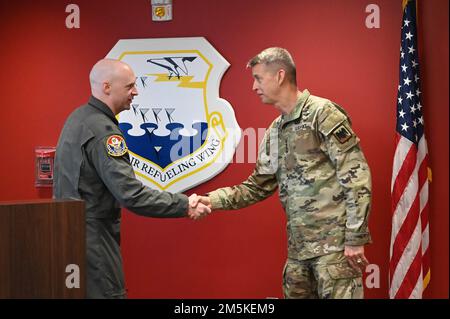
(342, 134)
(116, 146)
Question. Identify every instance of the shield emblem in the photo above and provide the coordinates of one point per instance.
(179, 132)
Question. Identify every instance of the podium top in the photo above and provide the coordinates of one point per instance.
(37, 201)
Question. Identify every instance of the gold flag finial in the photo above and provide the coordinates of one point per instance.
(404, 3)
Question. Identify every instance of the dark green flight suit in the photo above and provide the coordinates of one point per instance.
(84, 169)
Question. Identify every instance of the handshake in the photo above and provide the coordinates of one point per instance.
(199, 206)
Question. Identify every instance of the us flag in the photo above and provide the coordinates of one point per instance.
(409, 265)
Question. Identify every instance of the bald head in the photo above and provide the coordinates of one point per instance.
(105, 70)
(113, 82)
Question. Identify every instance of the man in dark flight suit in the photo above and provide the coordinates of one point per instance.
(92, 164)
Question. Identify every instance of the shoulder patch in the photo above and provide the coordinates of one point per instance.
(116, 146)
(329, 119)
(342, 134)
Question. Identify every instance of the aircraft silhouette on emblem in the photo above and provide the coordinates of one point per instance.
(175, 65)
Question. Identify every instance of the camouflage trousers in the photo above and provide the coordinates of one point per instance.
(328, 276)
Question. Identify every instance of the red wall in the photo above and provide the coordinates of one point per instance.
(44, 76)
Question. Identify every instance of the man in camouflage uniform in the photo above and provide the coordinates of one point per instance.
(312, 155)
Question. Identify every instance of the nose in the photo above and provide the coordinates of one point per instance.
(134, 92)
(255, 85)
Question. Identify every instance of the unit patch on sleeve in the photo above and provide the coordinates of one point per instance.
(116, 146)
(342, 134)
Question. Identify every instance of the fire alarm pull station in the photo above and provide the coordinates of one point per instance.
(45, 159)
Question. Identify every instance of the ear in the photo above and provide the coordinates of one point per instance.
(106, 88)
(281, 76)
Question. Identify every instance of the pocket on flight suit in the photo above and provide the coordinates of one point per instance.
(104, 261)
(112, 261)
(347, 281)
(113, 290)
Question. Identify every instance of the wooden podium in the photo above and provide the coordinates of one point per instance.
(42, 249)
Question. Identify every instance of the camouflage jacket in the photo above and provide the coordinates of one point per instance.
(314, 158)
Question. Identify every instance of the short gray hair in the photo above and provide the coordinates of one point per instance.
(277, 56)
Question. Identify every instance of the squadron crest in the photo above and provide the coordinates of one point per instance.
(178, 130)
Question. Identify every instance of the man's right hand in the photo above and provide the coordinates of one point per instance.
(198, 207)
(200, 199)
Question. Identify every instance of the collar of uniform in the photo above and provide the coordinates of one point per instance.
(93, 101)
(295, 114)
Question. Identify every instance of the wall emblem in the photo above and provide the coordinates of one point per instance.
(179, 132)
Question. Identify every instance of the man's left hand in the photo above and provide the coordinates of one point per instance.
(355, 257)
